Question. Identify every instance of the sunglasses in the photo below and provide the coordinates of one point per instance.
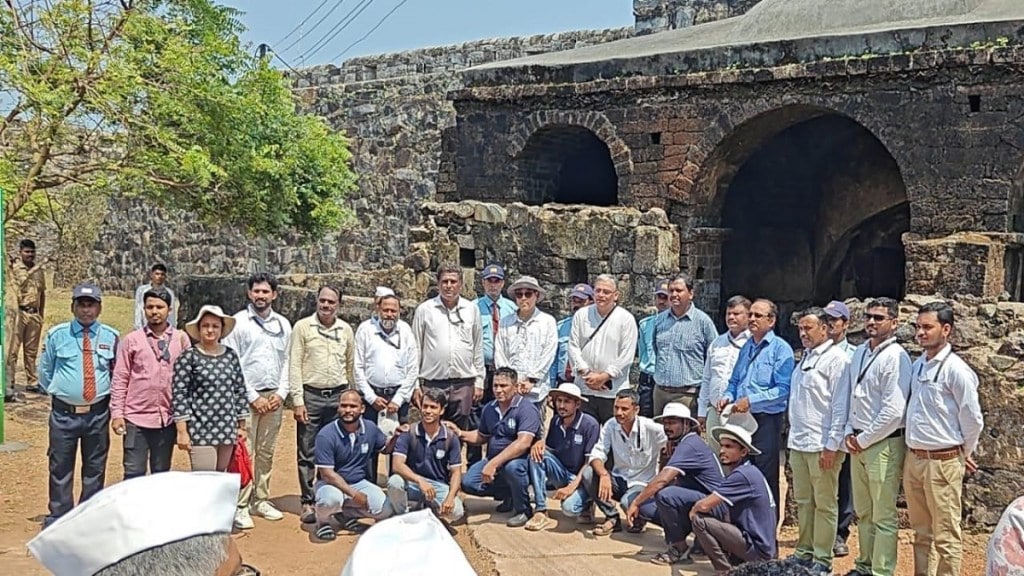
(759, 315)
(525, 293)
(876, 317)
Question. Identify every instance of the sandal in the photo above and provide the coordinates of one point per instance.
(326, 533)
(540, 521)
(610, 526)
(668, 557)
(353, 525)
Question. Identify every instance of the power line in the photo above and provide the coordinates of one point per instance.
(370, 31)
(264, 49)
(337, 29)
(304, 20)
(318, 23)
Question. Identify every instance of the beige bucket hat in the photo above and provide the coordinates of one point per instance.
(192, 327)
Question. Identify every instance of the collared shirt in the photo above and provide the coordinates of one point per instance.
(572, 445)
(61, 364)
(319, 356)
(485, 304)
(433, 457)
(28, 286)
(635, 454)
(386, 360)
(877, 383)
(846, 347)
(140, 305)
(141, 385)
(751, 509)
(681, 347)
(698, 466)
(722, 355)
(348, 454)
(943, 410)
(610, 350)
(450, 341)
(763, 373)
(502, 428)
(262, 349)
(645, 344)
(812, 400)
(563, 328)
(528, 346)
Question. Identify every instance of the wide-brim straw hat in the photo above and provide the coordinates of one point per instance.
(568, 389)
(744, 420)
(676, 410)
(529, 283)
(737, 433)
(192, 327)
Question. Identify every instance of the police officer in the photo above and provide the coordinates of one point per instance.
(27, 325)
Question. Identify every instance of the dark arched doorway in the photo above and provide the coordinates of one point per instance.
(567, 164)
(815, 211)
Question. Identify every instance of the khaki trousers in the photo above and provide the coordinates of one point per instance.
(210, 458)
(816, 492)
(876, 483)
(663, 396)
(933, 489)
(714, 420)
(26, 329)
(262, 440)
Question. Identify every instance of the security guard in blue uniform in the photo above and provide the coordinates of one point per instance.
(75, 369)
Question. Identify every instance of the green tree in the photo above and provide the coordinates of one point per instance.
(159, 98)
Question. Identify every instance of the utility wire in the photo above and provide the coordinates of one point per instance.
(301, 24)
(315, 26)
(264, 49)
(370, 31)
(337, 29)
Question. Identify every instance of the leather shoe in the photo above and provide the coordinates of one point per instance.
(840, 549)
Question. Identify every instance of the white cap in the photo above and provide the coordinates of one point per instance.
(383, 291)
(134, 516)
(676, 410)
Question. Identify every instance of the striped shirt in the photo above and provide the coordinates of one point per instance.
(681, 347)
(529, 347)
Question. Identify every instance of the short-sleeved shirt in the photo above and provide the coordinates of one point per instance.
(572, 446)
(697, 465)
(502, 429)
(431, 458)
(751, 508)
(348, 454)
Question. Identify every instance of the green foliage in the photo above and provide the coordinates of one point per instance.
(158, 98)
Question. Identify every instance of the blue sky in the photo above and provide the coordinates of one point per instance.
(416, 23)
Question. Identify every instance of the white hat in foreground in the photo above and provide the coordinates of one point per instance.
(134, 516)
(192, 327)
(528, 283)
(569, 389)
(383, 291)
(676, 410)
(736, 433)
(744, 420)
(427, 549)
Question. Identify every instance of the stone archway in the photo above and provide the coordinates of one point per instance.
(807, 206)
(568, 164)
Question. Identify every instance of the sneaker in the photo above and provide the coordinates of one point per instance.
(267, 511)
(540, 521)
(518, 521)
(243, 521)
(840, 549)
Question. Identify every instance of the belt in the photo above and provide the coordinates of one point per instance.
(943, 454)
(449, 382)
(898, 433)
(96, 407)
(29, 309)
(679, 389)
(385, 390)
(324, 392)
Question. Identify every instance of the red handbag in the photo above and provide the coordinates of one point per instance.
(241, 463)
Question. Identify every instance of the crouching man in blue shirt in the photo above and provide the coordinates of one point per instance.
(343, 451)
(749, 532)
(508, 425)
(427, 462)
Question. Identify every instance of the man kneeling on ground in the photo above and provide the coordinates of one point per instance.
(427, 463)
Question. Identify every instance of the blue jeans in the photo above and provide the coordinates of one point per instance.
(620, 491)
(401, 491)
(551, 474)
(330, 501)
(511, 483)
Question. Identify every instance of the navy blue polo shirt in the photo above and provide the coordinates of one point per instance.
(348, 454)
(697, 465)
(502, 429)
(572, 446)
(751, 508)
(432, 459)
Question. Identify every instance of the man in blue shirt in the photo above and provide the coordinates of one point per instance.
(581, 295)
(343, 451)
(427, 462)
(749, 532)
(760, 385)
(75, 370)
(682, 336)
(558, 462)
(645, 350)
(508, 425)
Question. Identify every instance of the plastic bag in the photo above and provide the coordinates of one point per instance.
(241, 463)
(425, 545)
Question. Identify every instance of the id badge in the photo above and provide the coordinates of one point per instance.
(364, 448)
(439, 454)
(577, 439)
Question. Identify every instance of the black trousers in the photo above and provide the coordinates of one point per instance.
(602, 409)
(322, 408)
(845, 501)
(475, 453)
(768, 439)
(371, 414)
(152, 446)
(645, 389)
(68, 433)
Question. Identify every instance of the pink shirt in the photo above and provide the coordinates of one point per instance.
(141, 386)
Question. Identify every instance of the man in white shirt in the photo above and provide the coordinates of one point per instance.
(722, 356)
(634, 443)
(877, 382)
(527, 341)
(602, 344)
(449, 334)
(157, 279)
(320, 359)
(260, 339)
(387, 362)
(814, 440)
(838, 320)
(944, 424)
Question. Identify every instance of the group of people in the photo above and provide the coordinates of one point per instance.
(543, 408)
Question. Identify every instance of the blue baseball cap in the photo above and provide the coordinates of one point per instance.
(494, 271)
(87, 290)
(661, 287)
(837, 309)
(582, 291)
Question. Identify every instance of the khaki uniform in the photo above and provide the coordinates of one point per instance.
(27, 321)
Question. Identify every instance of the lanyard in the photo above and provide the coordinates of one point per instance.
(874, 356)
(817, 359)
(387, 338)
(938, 371)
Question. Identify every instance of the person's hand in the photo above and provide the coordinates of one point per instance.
(380, 404)
(703, 421)
(183, 441)
(392, 408)
(631, 513)
(117, 426)
(595, 380)
(742, 405)
(970, 465)
(488, 473)
(428, 491)
(604, 488)
(300, 414)
(524, 387)
(827, 459)
(537, 452)
(853, 445)
(360, 501)
(451, 427)
(243, 432)
(478, 394)
(563, 493)
(275, 402)
(261, 405)
(417, 397)
(721, 404)
(448, 506)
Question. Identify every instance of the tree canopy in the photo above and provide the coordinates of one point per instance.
(160, 99)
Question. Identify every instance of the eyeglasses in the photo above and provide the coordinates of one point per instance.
(332, 334)
(247, 570)
(876, 317)
(525, 293)
(458, 317)
(759, 315)
(661, 296)
(271, 326)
